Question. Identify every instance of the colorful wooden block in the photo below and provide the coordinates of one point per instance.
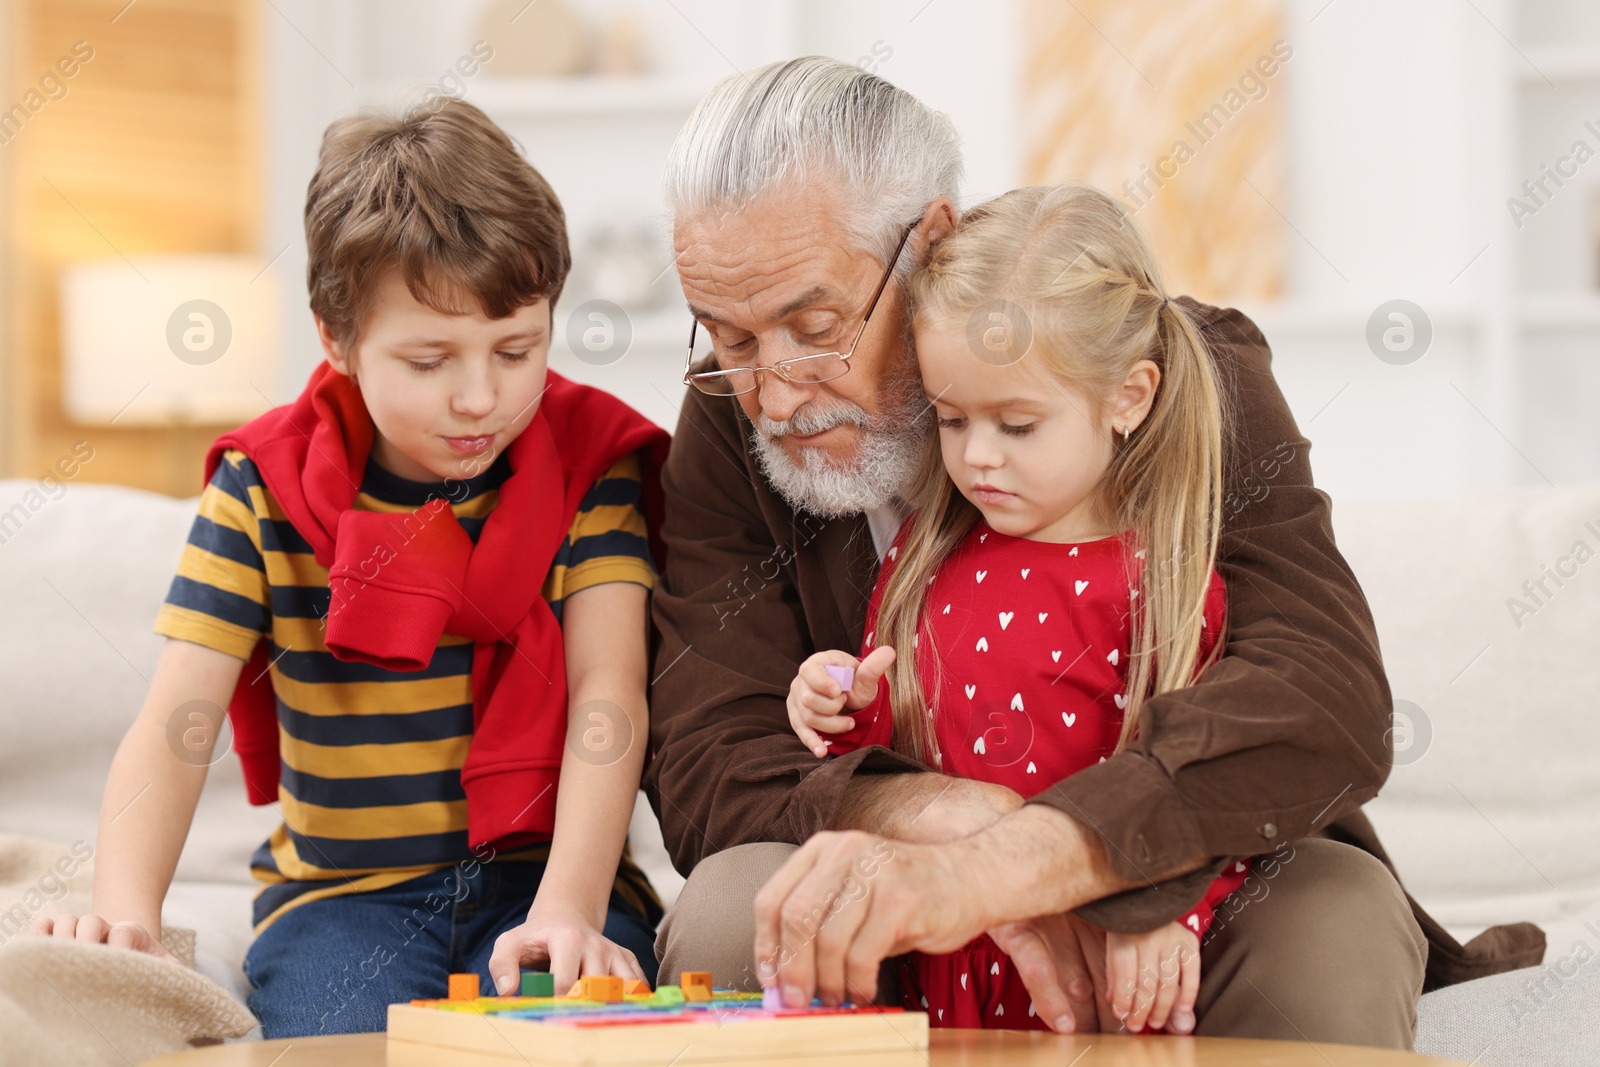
(667, 996)
(636, 987)
(845, 676)
(576, 991)
(772, 998)
(463, 987)
(694, 978)
(538, 984)
(728, 1028)
(603, 989)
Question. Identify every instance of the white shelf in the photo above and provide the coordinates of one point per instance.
(1561, 63)
(586, 96)
(657, 330)
(1565, 311)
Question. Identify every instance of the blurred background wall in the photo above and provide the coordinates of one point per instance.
(1402, 195)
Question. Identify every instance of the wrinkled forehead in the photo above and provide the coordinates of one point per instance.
(767, 261)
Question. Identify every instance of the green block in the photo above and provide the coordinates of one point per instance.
(667, 996)
(538, 984)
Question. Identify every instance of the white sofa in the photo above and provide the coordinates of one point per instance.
(1495, 817)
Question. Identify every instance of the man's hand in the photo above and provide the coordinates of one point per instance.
(847, 901)
(1061, 960)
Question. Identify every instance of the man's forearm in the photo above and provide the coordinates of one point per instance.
(1040, 861)
(927, 808)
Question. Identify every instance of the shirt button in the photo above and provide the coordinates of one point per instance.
(1269, 830)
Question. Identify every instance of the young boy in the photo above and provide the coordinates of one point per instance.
(399, 585)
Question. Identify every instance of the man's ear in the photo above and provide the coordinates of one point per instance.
(938, 219)
(332, 348)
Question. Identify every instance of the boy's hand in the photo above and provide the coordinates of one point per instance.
(1153, 978)
(568, 943)
(816, 698)
(94, 930)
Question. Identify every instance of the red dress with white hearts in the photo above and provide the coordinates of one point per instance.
(1032, 640)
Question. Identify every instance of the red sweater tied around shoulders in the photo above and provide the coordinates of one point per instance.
(398, 582)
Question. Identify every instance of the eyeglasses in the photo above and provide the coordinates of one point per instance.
(800, 370)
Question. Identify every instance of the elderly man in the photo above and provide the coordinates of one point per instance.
(790, 189)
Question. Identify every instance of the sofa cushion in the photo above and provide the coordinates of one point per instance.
(1488, 613)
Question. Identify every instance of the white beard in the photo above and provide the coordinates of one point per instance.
(887, 459)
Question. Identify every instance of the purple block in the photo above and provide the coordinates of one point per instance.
(771, 997)
(845, 676)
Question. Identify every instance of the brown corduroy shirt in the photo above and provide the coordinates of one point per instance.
(1286, 737)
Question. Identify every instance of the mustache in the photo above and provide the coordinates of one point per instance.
(806, 421)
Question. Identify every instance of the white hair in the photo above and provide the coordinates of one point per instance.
(810, 119)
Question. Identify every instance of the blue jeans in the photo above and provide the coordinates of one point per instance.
(333, 966)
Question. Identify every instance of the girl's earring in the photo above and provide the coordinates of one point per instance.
(1124, 434)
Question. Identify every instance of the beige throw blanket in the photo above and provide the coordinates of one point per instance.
(64, 1003)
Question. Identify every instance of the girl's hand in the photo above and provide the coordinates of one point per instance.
(1153, 978)
(570, 944)
(94, 930)
(816, 699)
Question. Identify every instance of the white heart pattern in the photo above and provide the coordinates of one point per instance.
(1074, 551)
(1031, 768)
(1139, 554)
(947, 609)
(1079, 586)
(1043, 615)
(999, 1009)
(971, 689)
(894, 551)
(1056, 656)
(978, 746)
(1069, 717)
(1016, 702)
(1193, 923)
(983, 644)
(1005, 618)
(994, 968)
(1112, 658)
(1121, 700)
(869, 636)
(963, 980)
(1238, 868)
(982, 575)
(1032, 1011)
(1025, 571)
(982, 538)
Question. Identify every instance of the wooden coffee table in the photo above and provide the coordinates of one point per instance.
(947, 1048)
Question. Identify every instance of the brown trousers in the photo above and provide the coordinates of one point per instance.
(1322, 949)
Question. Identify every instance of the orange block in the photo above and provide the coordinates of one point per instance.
(463, 987)
(636, 987)
(696, 985)
(576, 990)
(603, 988)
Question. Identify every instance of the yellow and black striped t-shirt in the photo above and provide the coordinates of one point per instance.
(370, 786)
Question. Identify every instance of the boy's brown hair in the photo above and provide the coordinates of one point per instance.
(444, 196)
